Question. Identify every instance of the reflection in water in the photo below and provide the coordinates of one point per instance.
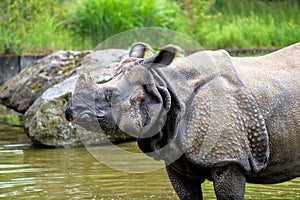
(28, 173)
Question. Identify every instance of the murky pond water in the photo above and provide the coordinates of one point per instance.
(32, 173)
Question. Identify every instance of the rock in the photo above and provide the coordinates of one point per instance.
(23, 89)
(45, 122)
(9, 66)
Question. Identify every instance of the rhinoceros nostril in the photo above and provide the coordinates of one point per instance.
(69, 114)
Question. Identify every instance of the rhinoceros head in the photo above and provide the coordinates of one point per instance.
(131, 102)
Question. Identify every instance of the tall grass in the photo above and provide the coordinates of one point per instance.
(250, 24)
(28, 26)
(251, 32)
(96, 20)
(32, 26)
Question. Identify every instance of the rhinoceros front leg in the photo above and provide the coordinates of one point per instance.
(186, 188)
(229, 182)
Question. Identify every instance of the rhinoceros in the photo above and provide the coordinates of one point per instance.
(207, 115)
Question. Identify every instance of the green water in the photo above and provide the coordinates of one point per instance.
(31, 173)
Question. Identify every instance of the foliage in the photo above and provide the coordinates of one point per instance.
(11, 22)
(41, 26)
(96, 20)
(193, 13)
(31, 25)
(251, 32)
(250, 24)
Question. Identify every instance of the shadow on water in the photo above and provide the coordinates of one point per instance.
(29, 173)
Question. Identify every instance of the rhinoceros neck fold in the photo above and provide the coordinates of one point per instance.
(165, 144)
(162, 145)
(184, 79)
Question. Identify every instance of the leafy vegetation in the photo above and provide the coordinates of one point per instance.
(28, 26)
(96, 20)
(251, 24)
(33, 26)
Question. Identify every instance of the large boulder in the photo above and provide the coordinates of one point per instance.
(45, 122)
(22, 90)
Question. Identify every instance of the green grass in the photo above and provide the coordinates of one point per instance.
(251, 32)
(33, 26)
(250, 24)
(28, 26)
(95, 20)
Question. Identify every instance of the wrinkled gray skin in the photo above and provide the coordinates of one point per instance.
(250, 131)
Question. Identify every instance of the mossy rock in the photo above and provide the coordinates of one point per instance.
(45, 122)
(23, 89)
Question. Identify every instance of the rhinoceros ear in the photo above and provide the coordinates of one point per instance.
(165, 57)
(138, 50)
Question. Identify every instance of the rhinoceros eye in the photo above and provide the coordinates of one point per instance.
(140, 62)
